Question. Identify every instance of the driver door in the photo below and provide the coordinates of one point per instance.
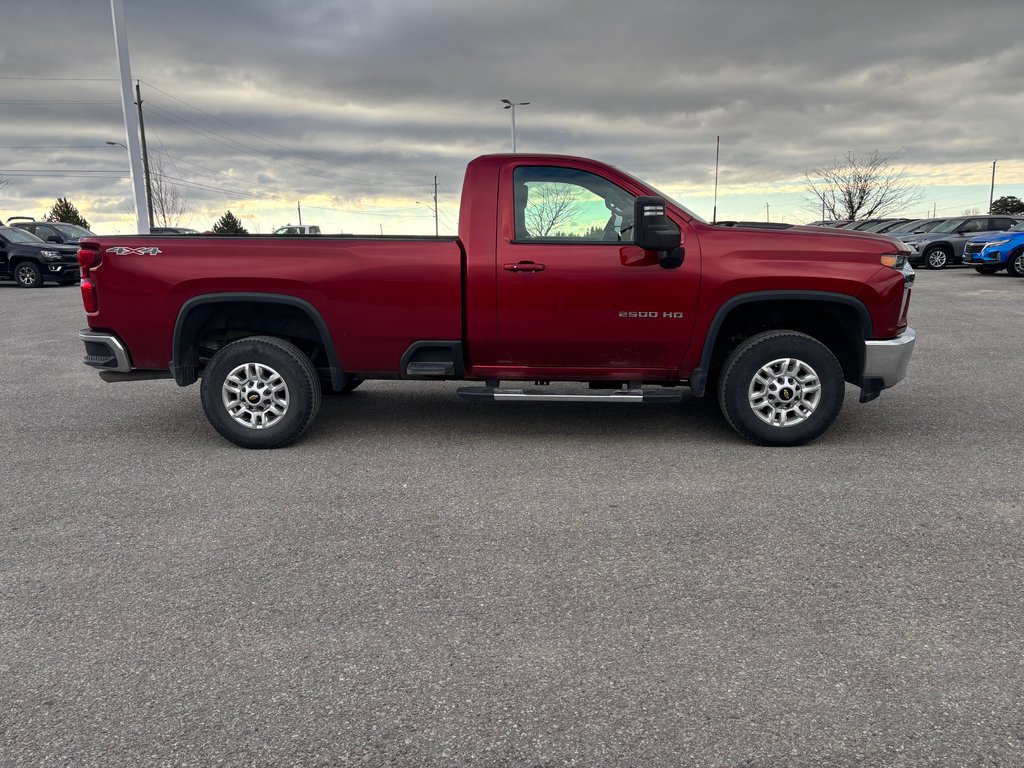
(574, 291)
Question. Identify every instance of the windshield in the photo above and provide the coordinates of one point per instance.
(71, 230)
(669, 198)
(927, 226)
(15, 235)
(950, 225)
(1017, 227)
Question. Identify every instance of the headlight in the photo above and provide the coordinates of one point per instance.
(50, 255)
(994, 243)
(894, 260)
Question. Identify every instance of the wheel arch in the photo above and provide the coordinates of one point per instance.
(838, 320)
(229, 316)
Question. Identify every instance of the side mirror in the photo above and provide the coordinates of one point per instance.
(655, 231)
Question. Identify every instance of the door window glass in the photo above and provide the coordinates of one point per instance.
(571, 206)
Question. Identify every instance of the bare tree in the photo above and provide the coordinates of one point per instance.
(551, 206)
(171, 205)
(859, 188)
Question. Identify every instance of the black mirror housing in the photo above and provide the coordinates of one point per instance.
(655, 231)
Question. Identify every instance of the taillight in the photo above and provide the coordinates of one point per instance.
(89, 295)
(89, 260)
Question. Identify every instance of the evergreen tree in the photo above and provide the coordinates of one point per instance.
(1008, 206)
(228, 224)
(64, 210)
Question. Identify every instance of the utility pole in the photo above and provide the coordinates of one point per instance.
(992, 190)
(767, 212)
(435, 206)
(298, 204)
(145, 154)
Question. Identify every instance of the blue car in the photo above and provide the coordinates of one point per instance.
(994, 251)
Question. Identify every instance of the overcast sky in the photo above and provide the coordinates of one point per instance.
(353, 107)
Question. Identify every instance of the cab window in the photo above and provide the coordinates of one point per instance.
(571, 206)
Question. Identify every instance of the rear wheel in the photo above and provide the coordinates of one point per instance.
(28, 275)
(260, 392)
(1015, 266)
(938, 257)
(781, 388)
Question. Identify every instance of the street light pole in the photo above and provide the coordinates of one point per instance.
(131, 127)
(512, 105)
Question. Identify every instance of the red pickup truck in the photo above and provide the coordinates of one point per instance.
(564, 270)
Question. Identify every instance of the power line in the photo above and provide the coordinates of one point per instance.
(53, 102)
(61, 79)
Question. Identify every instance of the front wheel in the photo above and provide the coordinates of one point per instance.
(28, 275)
(260, 392)
(1015, 266)
(938, 257)
(781, 388)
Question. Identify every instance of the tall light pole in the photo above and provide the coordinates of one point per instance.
(714, 213)
(131, 126)
(512, 105)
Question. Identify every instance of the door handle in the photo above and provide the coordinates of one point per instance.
(524, 266)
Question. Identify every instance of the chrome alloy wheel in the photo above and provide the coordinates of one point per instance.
(784, 392)
(255, 395)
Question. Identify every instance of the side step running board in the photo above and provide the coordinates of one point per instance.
(634, 395)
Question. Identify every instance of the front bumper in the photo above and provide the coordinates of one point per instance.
(984, 259)
(59, 271)
(886, 361)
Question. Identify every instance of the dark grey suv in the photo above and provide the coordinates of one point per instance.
(51, 231)
(945, 244)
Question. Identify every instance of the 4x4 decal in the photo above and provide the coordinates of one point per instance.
(121, 251)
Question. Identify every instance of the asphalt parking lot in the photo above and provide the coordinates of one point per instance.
(426, 581)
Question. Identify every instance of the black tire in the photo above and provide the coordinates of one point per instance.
(1015, 264)
(279, 385)
(938, 257)
(757, 390)
(986, 270)
(27, 274)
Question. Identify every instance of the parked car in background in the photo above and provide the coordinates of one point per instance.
(945, 244)
(29, 261)
(885, 225)
(1000, 250)
(51, 231)
(915, 227)
(829, 223)
(173, 231)
(298, 229)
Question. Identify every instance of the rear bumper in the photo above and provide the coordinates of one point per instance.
(105, 351)
(886, 361)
